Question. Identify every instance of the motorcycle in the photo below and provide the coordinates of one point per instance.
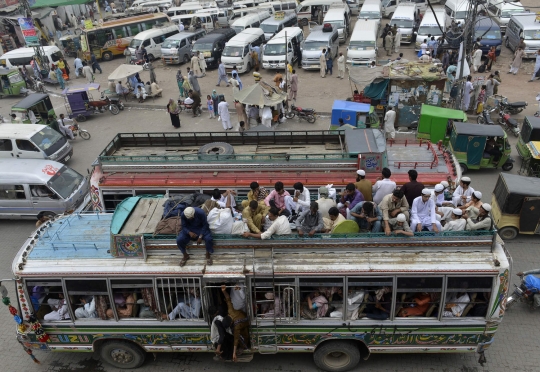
(113, 101)
(485, 118)
(100, 106)
(140, 62)
(183, 106)
(509, 124)
(525, 291)
(308, 114)
(512, 108)
(78, 131)
(35, 84)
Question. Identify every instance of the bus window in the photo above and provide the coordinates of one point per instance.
(467, 296)
(140, 292)
(89, 298)
(369, 298)
(47, 299)
(321, 298)
(180, 298)
(277, 300)
(418, 297)
(119, 32)
(134, 29)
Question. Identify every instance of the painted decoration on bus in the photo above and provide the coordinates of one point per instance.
(500, 300)
(127, 246)
(95, 195)
(49, 170)
(117, 46)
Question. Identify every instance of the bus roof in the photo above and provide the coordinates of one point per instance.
(135, 19)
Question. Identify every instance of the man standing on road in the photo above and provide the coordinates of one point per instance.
(536, 66)
(294, 86)
(192, 78)
(196, 97)
(223, 111)
(341, 66)
(477, 59)
(389, 120)
(195, 64)
(222, 74)
(469, 88)
(322, 61)
(389, 42)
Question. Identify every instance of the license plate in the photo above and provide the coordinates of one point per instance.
(273, 65)
(67, 158)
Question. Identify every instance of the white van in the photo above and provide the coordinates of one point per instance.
(458, 10)
(501, 11)
(362, 47)
(222, 15)
(429, 26)
(315, 42)
(279, 5)
(152, 39)
(23, 56)
(523, 25)
(315, 10)
(32, 186)
(338, 16)
(184, 18)
(274, 52)
(33, 141)
(177, 48)
(372, 9)
(151, 6)
(237, 50)
(251, 20)
(277, 22)
(390, 6)
(404, 17)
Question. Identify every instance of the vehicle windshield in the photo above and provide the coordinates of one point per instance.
(370, 15)
(335, 24)
(461, 15)
(315, 45)
(361, 45)
(65, 182)
(238, 29)
(135, 43)
(233, 51)
(531, 34)
(269, 29)
(508, 12)
(489, 35)
(170, 44)
(56, 56)
(46, 138)
(429, 30)
(275, 49)
(402, 23)
(202, 47)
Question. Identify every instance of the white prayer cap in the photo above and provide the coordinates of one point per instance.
(439, 187)
(361, 172)
(477, 195)
(445, 184)
(426, 192)
(457, 211)
(189, 212)
(269, 295)
(401, 217)
(465, 179)
(486, 207)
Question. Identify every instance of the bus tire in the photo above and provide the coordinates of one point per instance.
(210, 150)
(303, 22)
(336, 356)
(464, 168)
(122, 354)
(186, 59)
(107, 56)
(508, 233)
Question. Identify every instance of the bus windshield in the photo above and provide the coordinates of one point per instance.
(170, 44)
(233, 51)
(203, 47)
(461, 15)
(531, 34)
(238, 29)
(269, 29)
(360, 45)
(46, 139)
(429, 30)
(369, 15)
(315, 45)
(275, 49)
(508, 12)
(490, 35)
(135, 43)
(65, 182)
(402, 23)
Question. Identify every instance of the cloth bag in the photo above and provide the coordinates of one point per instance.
(220, 220)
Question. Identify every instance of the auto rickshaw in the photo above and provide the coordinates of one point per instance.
(478, 146)
(530, 166)
(530, 131)
(34, 109)
(78, 101)
(515, 205)
(435, 123)
(359, 115)
(70, 45)
(12, 83)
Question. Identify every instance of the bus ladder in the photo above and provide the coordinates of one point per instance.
(264, 258)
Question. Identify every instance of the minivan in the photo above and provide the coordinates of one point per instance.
(277, 22)
(389, 6)
(404, 17)
(308, 8)
(251, 20)
(274, 52)
(279, 5)
(177, 48)
(33, 141)
(23, 56)
(211, 46)
(490, 34)
(338, 16)
(237, 50)
(501, 11)
(317, 40)
(222, 14)
(152, 40)
(458, 10)
(430, 26)
(371, 10)
(523, 25)
(362, 47)
(32, 186)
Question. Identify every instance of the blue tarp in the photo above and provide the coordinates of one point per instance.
(347, 109)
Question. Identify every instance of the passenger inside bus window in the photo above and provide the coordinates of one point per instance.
(58, 305)
(87, 309)
(124, 302)
(189, 306)
(456, 302)
(362, 296)
(419, 297)
(88, 299)
(378, 305)
(468, 296)
(40, 294)
(321, 302)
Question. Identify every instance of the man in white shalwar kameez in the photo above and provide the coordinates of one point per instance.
(444, 212)
(223, 111)
(423, 213)
(463, 192)
(397, 41)
(456, 223)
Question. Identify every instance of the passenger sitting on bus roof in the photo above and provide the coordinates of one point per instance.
(437, 195)
(276, 198)
(349, 198)
(456, 302)
(224, 199)
(456, 223)
(254, 215)
(482, 222)
(364, 185)
(257, 193)
(280, 226)
(310, 221)
(463, 192)
(58, 305)
(195, 227)
(335, 219)
(300, 201)
(379, 305)
(240, 323)
(423, 216)
(413, 188)
(316, 306)
(189, 308)
(420, 304)
(325, 203)
(474, 202)
(392, 205)
(400, 226)
(383, 186)
(88, 310)
(272, 308)
(368, 216)
(124, 303)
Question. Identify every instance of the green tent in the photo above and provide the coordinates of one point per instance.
(55, 3)
(433, 122)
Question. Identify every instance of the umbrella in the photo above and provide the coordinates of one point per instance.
(260, 94)
(124, 71)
